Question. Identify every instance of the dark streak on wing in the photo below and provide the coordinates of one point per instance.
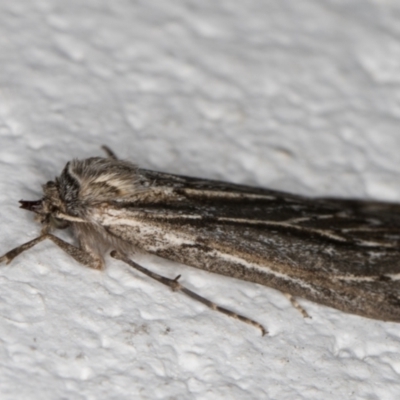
(354, 220)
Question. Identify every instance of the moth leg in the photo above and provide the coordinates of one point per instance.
(109, 152)
(297, 306)
(83, 257)
(10, 255)
(176, 286)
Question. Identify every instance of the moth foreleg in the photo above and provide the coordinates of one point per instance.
(176, 286)
(78, 254)
(82, 256)
(10, 255)
(297, 306)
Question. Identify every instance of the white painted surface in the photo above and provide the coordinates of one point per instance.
(299, 96)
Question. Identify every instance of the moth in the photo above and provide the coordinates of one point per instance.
(340, 253)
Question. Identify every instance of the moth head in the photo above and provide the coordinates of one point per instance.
(47, 208)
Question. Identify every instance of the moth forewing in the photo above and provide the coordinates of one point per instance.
(324, 250)
(341, 253)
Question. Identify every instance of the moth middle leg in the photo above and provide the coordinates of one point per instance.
(82, 256)
(176, 286)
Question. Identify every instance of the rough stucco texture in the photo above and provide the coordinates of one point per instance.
(298, 96)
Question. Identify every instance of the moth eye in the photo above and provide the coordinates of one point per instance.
(58, 223)
(49, 185)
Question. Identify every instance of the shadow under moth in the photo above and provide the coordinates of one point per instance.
(340, 253)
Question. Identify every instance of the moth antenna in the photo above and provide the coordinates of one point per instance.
(109, 152)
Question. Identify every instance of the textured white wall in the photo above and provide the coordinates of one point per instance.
(298, 96)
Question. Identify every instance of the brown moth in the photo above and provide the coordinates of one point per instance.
(341, 253)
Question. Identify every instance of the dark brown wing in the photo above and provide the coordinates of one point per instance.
(343, 253)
